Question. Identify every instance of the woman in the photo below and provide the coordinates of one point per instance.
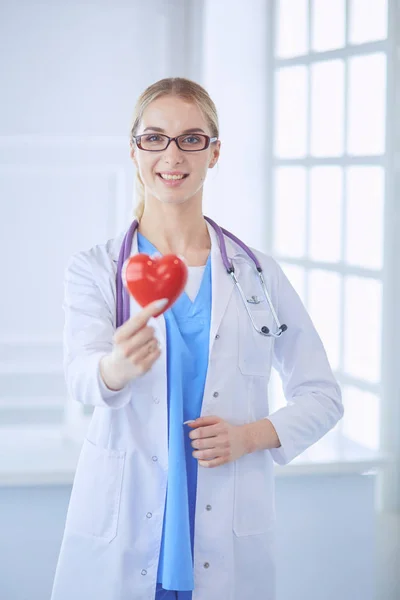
(162, 508)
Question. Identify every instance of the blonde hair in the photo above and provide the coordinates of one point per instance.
(181, 88)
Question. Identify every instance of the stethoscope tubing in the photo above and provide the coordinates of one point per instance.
(122, 299)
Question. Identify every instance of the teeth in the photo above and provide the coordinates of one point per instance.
(165, 176)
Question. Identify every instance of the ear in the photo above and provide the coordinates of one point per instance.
(215, 155)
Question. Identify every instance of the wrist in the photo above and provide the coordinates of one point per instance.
(260, 435)
(109, 381)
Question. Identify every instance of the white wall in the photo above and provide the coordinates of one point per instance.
(235, 73)
(71, 73)
(76, 68)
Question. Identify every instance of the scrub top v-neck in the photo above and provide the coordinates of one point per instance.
(188, 330)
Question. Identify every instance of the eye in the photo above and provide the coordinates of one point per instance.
(191, 139)
(152, 138)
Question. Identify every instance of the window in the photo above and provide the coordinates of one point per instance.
(329, 169)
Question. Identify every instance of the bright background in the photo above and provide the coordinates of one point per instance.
(307, 93)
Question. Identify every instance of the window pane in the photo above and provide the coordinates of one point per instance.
(327, 108)
(367, 94)
(362, 328)
(291, 28)
(365, 198)
(368, 20)
(296, 276)
(324, 308)
(325, 213)
(329, 18)
(290, 211)
(291, 112)
(361, 417)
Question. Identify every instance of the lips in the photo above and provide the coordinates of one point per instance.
(173, 176)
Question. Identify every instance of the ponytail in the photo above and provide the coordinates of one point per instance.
(139, 210)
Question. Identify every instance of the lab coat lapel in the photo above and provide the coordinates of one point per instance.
(222, 283)
(134, 307)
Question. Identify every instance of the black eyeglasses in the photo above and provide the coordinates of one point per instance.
(189, 142)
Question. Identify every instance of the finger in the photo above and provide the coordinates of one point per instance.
(204, 421)
(210, 431)
(138, 321)
(137, 357)
(216, 462)
(211, 442)
(146, 364)
(209, 454)
(140, 339)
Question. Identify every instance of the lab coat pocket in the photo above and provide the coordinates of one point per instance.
(96, 492)
(253, 511)
(255, 349)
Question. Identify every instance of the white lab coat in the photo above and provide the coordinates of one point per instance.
(113, 529)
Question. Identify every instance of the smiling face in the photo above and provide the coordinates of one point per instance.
(174, 176)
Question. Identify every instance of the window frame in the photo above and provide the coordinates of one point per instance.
(387, 389)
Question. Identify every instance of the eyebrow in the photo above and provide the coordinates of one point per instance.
(192, 130)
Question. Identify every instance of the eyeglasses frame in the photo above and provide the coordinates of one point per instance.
(209, 140)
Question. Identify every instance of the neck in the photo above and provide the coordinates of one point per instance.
(177, 229)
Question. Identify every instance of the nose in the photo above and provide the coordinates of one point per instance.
(173, 154)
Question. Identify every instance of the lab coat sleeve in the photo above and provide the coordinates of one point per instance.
(314, 401)
(89, 327)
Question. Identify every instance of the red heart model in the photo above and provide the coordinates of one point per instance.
(153, 278)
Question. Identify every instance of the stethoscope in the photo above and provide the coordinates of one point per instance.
(123, 295)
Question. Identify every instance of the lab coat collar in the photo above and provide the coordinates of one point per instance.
(222, 283)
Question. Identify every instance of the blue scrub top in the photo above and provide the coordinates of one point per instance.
(188, 332)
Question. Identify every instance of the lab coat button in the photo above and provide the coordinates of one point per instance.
(208, 507)
(215, 394)
(149, 515)
(157, 400)
(144, 572)
(154, 458)
(217, 336)
(206, 565)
